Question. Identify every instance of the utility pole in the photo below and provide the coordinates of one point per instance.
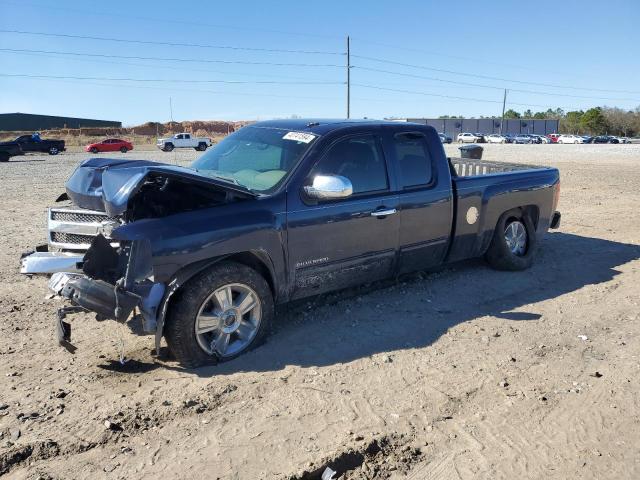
(504, 103)
(171, 109)
(348, 77)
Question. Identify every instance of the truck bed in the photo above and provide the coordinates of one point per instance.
(467, 167)
(483, 190)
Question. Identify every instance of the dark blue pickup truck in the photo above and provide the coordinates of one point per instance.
(277, 211)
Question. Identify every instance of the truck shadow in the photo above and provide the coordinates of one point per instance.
(413, 312)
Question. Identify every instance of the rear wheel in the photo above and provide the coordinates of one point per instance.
(514, 241)
(4, 157)
(124, 149)
(221, 314)
(53, 150)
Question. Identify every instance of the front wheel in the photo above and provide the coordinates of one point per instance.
(168, 147)
(201, 147)
(514, 241)
(53, 150)
(123, 149)
(220, 314)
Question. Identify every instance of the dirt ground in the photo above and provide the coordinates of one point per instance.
(467, 373)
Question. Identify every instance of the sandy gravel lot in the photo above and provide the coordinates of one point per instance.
(467, 373)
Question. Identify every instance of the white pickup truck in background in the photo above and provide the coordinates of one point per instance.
(183, 140)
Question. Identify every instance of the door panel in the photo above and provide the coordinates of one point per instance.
(349, 241)
(425, 202)
(341, 245)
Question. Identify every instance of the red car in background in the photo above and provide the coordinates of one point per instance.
(110, 145)
(553, 137)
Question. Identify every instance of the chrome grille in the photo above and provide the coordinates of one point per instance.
(78, 217)
(74, 229)
(71, 238)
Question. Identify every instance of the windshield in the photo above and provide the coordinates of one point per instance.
(257, 158)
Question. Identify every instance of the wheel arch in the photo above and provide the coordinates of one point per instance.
(255, 259)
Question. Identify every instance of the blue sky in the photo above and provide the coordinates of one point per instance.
(571, 49)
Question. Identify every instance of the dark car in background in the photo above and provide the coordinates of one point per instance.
(33, 144)
(8, 150)
(445, 138)
(481, 138)
(605, 139)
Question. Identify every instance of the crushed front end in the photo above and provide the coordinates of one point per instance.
(99, 251)
(94, 272)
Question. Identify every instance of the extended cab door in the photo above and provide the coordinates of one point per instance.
(425, 197)
(26, 143)
(349, 241)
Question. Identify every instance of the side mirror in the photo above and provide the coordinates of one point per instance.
(329, 187)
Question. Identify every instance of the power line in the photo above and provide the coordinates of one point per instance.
(487, 77)
(182, 89)
(455, 82)
(172, 44)
(162, 59)
(162, 66)
(483, 60)
(429, 94)
(127, 79)
(119, 16)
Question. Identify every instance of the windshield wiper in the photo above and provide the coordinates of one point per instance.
(228, 179)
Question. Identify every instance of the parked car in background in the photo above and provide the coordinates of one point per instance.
(496, 138)
(553, 137)
(184, 140)
(34, 144)
(445, 138)
(570, 139)
(470, 138)
(540, 138)
(605, 139)
(8, 150)
(522, 138)
(110, 145)
(623, 139)
(481, 137)
(587, 138)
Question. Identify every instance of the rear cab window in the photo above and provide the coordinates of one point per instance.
(414, 162)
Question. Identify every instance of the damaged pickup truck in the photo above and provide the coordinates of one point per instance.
(279, 210)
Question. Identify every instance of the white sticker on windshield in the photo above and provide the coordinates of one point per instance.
(299, 137)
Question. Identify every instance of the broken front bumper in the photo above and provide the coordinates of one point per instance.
(51, 262)
(71, 278)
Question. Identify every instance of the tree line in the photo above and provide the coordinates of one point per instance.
(594, 121)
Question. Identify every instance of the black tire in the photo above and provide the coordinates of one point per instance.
(4, 157)
(499, 255)
(124, 150)
(201, 147)
(180, 326)
(167, 147)
(94, 150)
(53, 150)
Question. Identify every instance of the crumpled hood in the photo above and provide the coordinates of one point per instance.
(106, 185)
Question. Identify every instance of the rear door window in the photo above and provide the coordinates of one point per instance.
(414, 161)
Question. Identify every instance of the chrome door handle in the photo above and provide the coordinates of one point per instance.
(383, 213)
